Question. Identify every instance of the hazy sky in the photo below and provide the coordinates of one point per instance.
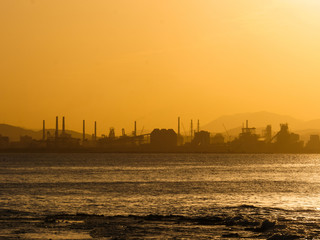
(117, 61)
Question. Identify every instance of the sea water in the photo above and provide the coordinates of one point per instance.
(202, 195)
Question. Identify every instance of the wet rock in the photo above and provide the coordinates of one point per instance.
(281, 226)
(209, 221)
(266, 226)
(231, 221)
(152, 217)
(240, 221)
(231, 235)
(284, 237)
(50, 219)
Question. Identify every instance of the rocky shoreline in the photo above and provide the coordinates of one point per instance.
(23, 225)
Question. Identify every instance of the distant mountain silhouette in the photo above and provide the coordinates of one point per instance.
(257, 120)
(313, 124)
(14, 133)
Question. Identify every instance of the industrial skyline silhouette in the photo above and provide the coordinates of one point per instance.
(153, 119)
(166, 140)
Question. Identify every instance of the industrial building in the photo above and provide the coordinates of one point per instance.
(163, 138)
(4, 142)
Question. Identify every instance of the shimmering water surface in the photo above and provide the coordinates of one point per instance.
(272, 187)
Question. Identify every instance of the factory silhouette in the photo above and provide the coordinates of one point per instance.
(166, 140)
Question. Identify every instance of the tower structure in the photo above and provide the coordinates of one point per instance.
(63, 125)
(198, 126)
(84, 130)
(178, 126)
(44, 130)
(57, 127)
(191, 130)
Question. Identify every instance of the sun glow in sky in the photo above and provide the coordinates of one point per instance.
(151, 61)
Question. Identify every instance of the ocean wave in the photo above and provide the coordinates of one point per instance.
(238, 222)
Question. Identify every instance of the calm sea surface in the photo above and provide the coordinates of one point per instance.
(275, 186)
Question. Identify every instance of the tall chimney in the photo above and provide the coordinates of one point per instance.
(44, 130)
(57, 127)
(191, 129)
(247, 124)
(198, 127)
(63, 125)
(135, 128)
(95, 130)
(178, 126)
(178, 136)
(84, 131)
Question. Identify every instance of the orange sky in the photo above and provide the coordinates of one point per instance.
(118, 61)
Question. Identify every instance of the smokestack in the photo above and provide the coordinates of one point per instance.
(178, 137)
(135, 128)
(63, 125)
(57, 127)
(84, 131)
(123, 132)
(178, 126)
(44, 130)
(95, 130)
(198, 127)
(247, 124)
(191, 129)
